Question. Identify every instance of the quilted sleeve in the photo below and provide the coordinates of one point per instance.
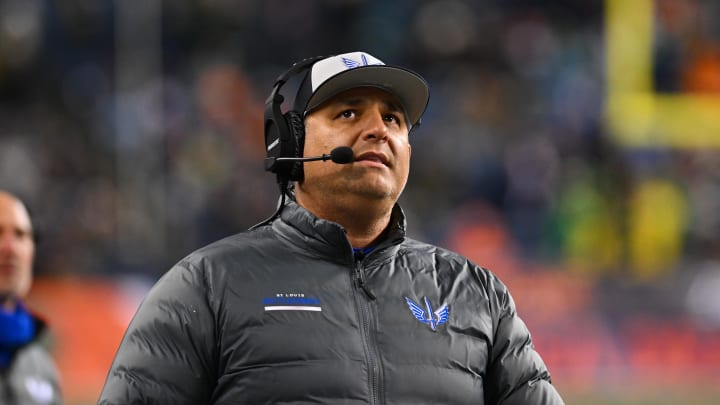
(165, 355)
(516, 374)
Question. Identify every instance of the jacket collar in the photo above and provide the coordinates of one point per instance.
(327, 237)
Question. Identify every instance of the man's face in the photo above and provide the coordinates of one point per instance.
(17, 249)
(370, 121)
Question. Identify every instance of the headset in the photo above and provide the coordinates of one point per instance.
(285, 132)
(284, 136)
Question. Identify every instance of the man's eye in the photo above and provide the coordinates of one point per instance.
(392, 118)
(21, 234)
(348, 114)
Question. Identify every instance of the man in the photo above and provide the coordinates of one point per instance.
(328, 301)
(27, 372)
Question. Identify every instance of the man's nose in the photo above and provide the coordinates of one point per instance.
(375, 127)
(8, 243)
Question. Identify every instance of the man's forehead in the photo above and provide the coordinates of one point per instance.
(13, 213)
(359, 95)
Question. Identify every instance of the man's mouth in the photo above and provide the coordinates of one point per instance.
(7, 267)
(373, 157)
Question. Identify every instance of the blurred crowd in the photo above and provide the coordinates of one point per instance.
(134, 132)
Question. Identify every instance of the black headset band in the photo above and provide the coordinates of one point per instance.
(284, 136)
(296, 68)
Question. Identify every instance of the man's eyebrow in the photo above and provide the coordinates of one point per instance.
(355, 101)
(393, 106)
(350, 101)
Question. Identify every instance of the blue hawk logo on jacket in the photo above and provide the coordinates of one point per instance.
(427, 315)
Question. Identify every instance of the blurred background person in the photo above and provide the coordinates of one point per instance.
(27, 371)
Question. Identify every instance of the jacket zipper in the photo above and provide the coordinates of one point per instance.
(360, 276)
(363, 301)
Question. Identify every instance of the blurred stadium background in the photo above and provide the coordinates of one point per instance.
(569, 146)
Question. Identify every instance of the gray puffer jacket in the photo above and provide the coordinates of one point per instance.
(288, 313)
(31, 377)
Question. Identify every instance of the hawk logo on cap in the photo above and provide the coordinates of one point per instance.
(352, 64)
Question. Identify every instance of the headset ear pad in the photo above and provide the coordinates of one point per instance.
(296, 124)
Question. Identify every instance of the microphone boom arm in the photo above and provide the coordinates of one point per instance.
(340, 155)
(324, 157)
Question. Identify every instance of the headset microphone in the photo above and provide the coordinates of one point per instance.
(340, 155)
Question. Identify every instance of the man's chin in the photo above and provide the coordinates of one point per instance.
(372, 194)
(7, 298)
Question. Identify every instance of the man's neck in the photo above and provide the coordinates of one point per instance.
(363, 222)
(7, 303)
(363, 234)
